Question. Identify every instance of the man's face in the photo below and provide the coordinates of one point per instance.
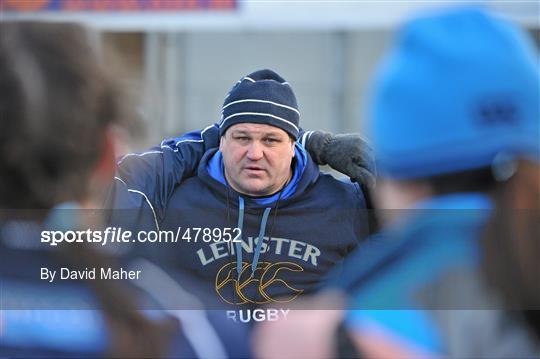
(257, 158)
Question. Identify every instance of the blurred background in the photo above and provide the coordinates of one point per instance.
(178, 58)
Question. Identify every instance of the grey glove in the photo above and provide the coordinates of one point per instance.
(346, 153)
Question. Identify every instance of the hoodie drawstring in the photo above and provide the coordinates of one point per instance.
(239, 244)
(255, 261)
(258, 248)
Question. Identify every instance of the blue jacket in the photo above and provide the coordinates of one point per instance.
(419, 265)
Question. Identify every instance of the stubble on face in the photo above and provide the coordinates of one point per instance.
(257, 158)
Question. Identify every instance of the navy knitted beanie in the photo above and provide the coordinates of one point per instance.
(261, 97)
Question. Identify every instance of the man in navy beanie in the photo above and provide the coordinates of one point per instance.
(260, 108)
(146, 180)
(259, 224)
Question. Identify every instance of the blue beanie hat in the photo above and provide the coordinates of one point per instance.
(459, 90)
(261, 97)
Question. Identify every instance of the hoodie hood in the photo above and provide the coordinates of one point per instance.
(211, 171)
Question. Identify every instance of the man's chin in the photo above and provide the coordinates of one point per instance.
(255, 190)
(252, 173)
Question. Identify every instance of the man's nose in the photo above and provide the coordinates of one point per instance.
(255, 151)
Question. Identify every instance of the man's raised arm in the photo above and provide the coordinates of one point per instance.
(146, 180)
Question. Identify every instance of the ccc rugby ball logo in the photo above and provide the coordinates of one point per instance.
(254, 289)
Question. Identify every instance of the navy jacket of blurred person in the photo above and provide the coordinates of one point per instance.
(455, 126)
(57, 108)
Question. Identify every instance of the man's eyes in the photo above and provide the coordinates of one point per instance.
(268, 140)
(241, 138)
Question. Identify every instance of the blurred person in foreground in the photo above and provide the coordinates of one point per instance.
(58, 108)
(455, 118)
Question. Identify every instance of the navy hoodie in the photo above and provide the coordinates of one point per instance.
(315, 227)
(307, 229)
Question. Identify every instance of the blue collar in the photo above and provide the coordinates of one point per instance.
(216, 171)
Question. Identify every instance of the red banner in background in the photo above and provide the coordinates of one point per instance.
(115, 5)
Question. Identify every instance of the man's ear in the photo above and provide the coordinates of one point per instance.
(221, 139)
(293, 143)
